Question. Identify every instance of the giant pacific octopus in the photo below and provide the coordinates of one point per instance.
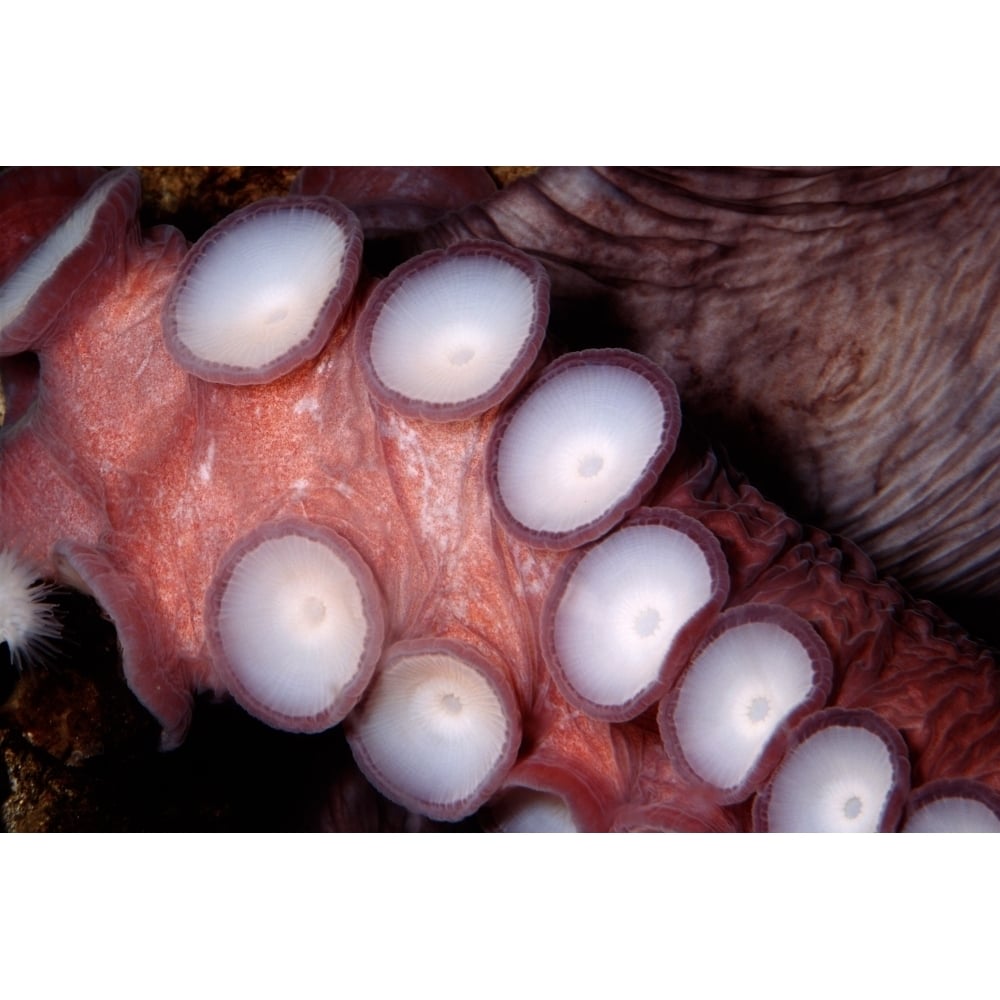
(526, 586)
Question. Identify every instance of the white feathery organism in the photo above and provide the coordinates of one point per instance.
(28, 623)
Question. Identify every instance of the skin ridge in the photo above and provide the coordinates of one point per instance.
(892, 653)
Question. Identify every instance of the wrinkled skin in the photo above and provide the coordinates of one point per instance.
(836, 330)
(186, 466)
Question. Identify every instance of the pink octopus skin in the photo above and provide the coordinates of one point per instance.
(132, 477)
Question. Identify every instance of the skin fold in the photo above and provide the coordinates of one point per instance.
(836, 330)
(135, 487)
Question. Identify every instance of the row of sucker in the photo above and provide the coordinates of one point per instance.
(640, 621)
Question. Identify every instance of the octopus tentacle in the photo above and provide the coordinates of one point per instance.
(462, 691)
(836, 328)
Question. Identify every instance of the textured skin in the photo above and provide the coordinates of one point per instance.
(837, 330)
(152, 476)
(901, 658)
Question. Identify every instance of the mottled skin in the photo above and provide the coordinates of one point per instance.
(837, 330)
(151, 501)
(152, 475)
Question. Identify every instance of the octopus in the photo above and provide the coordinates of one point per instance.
(435, 468)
